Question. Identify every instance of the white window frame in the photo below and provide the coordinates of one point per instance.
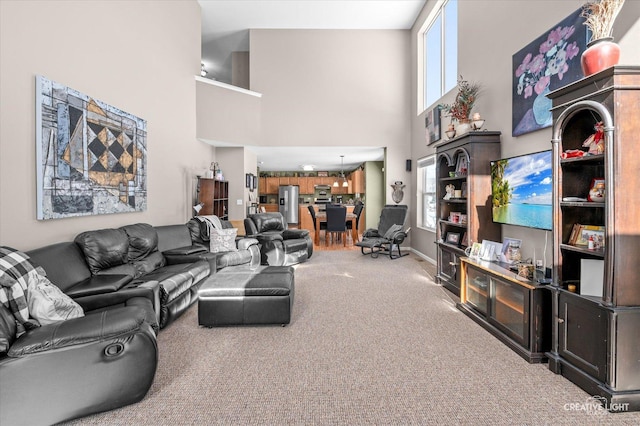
(426, 191)
(447, 54)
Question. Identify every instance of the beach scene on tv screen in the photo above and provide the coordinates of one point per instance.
(522, 190)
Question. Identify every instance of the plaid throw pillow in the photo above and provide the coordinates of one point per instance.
(15, 269)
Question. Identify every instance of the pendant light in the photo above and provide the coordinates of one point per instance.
(341, 176)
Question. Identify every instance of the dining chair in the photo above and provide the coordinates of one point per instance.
(323, 225)
(357, 210)
(336, 222)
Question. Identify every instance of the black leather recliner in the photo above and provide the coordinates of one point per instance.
(279, 246)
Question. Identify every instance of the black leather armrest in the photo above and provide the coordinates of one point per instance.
(266, 237)
(173, 259)
(245, 243)
(95, 327)
(182, 251)
(99, 284)
(292, 234)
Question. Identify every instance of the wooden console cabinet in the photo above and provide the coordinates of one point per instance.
(596, 327)
(468, 158)
(515, 310)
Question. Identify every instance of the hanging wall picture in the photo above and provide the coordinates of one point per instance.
(549, 62)
(432, 125)
(91, 157)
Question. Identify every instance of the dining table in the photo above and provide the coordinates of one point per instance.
(321, 216)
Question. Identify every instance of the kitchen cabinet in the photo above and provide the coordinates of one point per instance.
(272, 185)
(357, 182)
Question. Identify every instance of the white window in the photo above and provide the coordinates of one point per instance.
(438, 49)
(426, 193)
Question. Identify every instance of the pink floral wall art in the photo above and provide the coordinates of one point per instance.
(549, 62)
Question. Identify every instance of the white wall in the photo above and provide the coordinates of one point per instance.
(490, 32)
(138, 56)
(335, 88)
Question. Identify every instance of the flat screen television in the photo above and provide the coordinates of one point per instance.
(521, 190)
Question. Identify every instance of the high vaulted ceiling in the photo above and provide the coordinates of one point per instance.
(225, 29)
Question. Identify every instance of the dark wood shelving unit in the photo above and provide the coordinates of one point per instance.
(215, 196)
(595, 332)
(476, 149)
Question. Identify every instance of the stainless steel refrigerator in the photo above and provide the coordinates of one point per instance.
(288, 202)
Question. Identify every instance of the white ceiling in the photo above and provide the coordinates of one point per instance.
(225, 29)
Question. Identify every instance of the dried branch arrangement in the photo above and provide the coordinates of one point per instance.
(600, 16)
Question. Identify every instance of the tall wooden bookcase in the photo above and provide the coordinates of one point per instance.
(596, 325)
(215, 196)
(465, 163)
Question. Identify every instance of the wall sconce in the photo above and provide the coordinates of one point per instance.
(198, 207)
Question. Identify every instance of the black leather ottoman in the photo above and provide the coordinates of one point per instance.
(242, 296)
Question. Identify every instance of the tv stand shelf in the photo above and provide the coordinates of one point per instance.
(515, 310)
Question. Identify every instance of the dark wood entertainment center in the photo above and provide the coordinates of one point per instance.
(596, 337)
(474, 149)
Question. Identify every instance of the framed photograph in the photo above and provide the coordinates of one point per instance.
(489, 250)
(596, 191)
(587, 232)
(465, 240)
(432, 125)
(547, 63)
(510, 250)
(464, 189)
(453, 238)
(247, 180)
(462, 165)
(476, 248)
(254, 182)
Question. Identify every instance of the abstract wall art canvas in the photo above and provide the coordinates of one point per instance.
(548, 63)
(91, 157)
(432, 125)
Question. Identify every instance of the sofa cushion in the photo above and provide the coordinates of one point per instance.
(265, 222)
(149, 264)
(65, 274)
(127, 269)
(172, 236)
(48, 304)
(233, 258)
(178, 278)
(104, 248)
(143, 239)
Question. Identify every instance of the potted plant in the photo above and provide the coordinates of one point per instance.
(601, 52)
(460, 109)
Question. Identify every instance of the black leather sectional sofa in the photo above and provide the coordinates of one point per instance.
(130, 282)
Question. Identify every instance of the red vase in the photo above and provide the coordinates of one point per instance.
(599, 55)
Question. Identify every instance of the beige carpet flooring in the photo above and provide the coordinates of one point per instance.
(372, 342)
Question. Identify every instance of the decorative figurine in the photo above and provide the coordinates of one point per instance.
(595, 142)
(397, 193)
(450, 189)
